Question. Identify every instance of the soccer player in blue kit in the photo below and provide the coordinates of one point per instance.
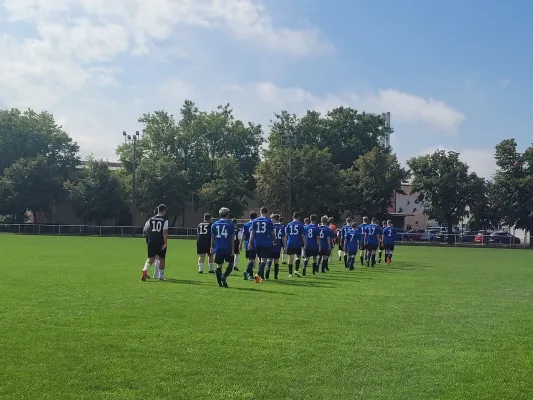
(351, 245)
(342, 236)
(362, 231)
(326, 243)
(389, 239)
(222, 237)
(312, 244)
(262, 237)
(279, 233)
(250, 253)
(294, 232)
(372, 240)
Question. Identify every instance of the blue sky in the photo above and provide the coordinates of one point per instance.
(454, 74)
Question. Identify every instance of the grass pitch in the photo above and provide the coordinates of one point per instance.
(76, 322)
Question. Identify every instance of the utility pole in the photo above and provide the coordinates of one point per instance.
(289, 140)
(133, 139)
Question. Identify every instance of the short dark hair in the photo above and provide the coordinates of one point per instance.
(375, 220)
(365, 220)
(313, 218)
(253, 215)
(280, 219)
(275, 216)
(296, 215)
(348, 220)
(306, 220)
(324, 219)
(354, 224)
(331, 220)
(161, 208)
(207, 217)
(263, 210)
(384, 223)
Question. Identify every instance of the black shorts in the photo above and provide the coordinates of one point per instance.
(389, 246)
(251, 254)
(275, 254)
(352, 253)
(236, 247)
(325, 253)
(341, 247)
(371, 247)
(203, 248)
(311, 253)
(221, 258)
(155, 249)
(362, 247)
(263, 252)
(294, 250)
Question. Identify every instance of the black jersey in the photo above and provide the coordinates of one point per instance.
(154, 229)
(204, 233)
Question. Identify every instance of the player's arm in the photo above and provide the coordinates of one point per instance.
(212, 239)
(318, 241)
(165, 235)
(146, 228)
(284, 240)
(251, 240)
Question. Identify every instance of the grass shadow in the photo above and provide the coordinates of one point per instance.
(182, 281)
(264, 291)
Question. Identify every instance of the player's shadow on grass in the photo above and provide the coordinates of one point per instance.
(305, 282)
(257, 290)
(184, 281)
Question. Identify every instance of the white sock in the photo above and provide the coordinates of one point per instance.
(156, 269)
(282, 257)
(201, 267)
(146, 266)
(211, 267)
(340, 253)
(236, 260)
(161, 273)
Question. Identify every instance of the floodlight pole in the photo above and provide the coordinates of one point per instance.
(133, 139)
(289, 140)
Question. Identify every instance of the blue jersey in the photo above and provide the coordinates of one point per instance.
(372, 231)
(311, 233)
(352, 237)
(263, 230)
(246, 233)
(325, 233)
(389, 235)
(345, 229)
(362, 231)
(294, 231)
(223, 231)
(279, 232)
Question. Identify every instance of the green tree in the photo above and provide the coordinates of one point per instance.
(347, 133)
(161, 181)
(32, 184)
(228, 189)
(96, 194)
(29, 135)
(483, 212)
(445, 186)
(367, 188)
(315, 180)
(513, 185)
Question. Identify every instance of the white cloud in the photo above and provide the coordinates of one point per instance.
(480, 160)
(403, 106)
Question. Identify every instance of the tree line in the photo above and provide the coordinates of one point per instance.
(209, 159)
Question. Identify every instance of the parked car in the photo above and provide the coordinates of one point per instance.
(503, 238)
(468, 236)
(481, 236)
(401, 234)
(415, 235)
(431, 235)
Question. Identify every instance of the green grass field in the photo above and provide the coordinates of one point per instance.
(76, 322)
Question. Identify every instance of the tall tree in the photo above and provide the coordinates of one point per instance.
(367, 188)
(314, 178)
(483, 211)
(513, 185)
(32, 184)
(30, 134)
(347, 133)
(228, 189)
(445, 186)
(96, 195)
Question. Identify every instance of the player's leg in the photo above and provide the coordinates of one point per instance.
(380, 253)
(236, 256)
(157, 263)
(315, 265)
(219, 262)
(373, 257)
(201, 260)
(147, 264)
(162, 264)
(307, 255)
(211, 260)
(298, 260)
(229, 259)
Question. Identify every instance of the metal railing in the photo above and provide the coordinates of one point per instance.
(416, 239)
(90, 230)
